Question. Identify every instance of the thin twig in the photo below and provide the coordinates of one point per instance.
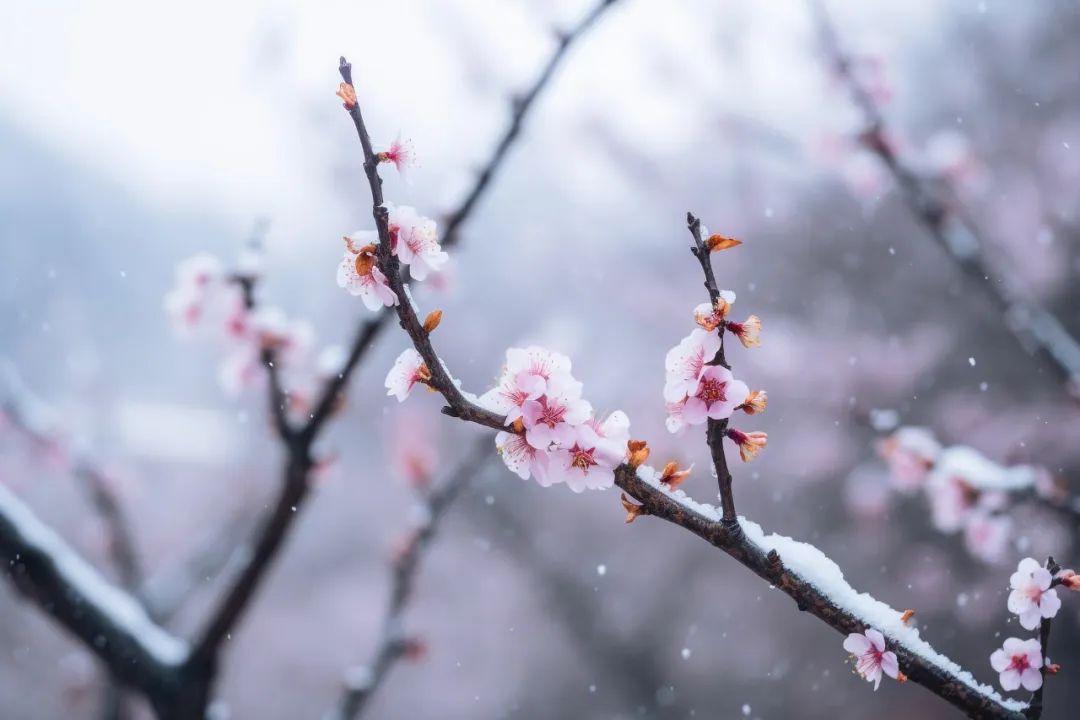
(455, 220)
(715, 430)
(393, 643)
(768, 565)
(955, 232)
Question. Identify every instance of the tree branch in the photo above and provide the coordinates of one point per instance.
(451, 234)
(107, 620)
(520, 108)
(393, 644)
(954, 232)
(32, 418)
(919, 660)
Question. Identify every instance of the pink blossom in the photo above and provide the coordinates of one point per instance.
(534, 366)
(716, 396)
(552, 417)
(408, 369)
(1031, 598)
(686, 361)
(675, 421)
(525, 377)
(598, 447)
(910, 452)
(1019, 662)
(401, 154)
(415, 240)
(986, 536)
(359, 275)
(202, 298)
(871, 658)
(523, 459)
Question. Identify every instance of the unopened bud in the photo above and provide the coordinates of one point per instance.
(755, 402)
(1069, 579)
(718, 242)
(415, 649)
(638, 452)
(672, 476)
(423, 374)
(432, 320)
(750, 443)
(347, 93)
(748, 331)
(633, 511)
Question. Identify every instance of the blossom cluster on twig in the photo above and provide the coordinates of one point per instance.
(536, 395)
(967, 492)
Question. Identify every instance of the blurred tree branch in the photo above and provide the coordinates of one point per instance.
(952, 230)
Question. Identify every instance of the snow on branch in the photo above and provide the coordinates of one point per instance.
(34, 419)
(548, 431)
(953, 230)
(109, 621)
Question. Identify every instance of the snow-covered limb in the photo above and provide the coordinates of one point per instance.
(955, 232)
(815, 582)
(108, 620)
(35, 420)
(394, 644)
(969, 493)
(818, 586)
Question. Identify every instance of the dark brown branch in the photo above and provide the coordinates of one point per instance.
(519, 110)
(269, 538)
(393, 644)
(106, 619)
(32, 418)
(953, 231)
(769, 566)
(715, 430)
(458, 405)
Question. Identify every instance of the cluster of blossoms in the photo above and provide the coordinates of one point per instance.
(553, 436)
(1034, 600)
(414, 240)
(208, 302)
(698, 388)
(966, 491)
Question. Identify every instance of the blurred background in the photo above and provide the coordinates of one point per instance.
(134, 135)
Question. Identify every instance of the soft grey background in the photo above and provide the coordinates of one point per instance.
(133, 135)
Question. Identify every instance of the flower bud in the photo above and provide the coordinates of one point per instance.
(747, 331)
(633, 512)
(672, 476)
(348, 95)
(638, 452)
(755, 402)
(718, 242)
(432, 320)
(750, 443)
(1069, 579)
